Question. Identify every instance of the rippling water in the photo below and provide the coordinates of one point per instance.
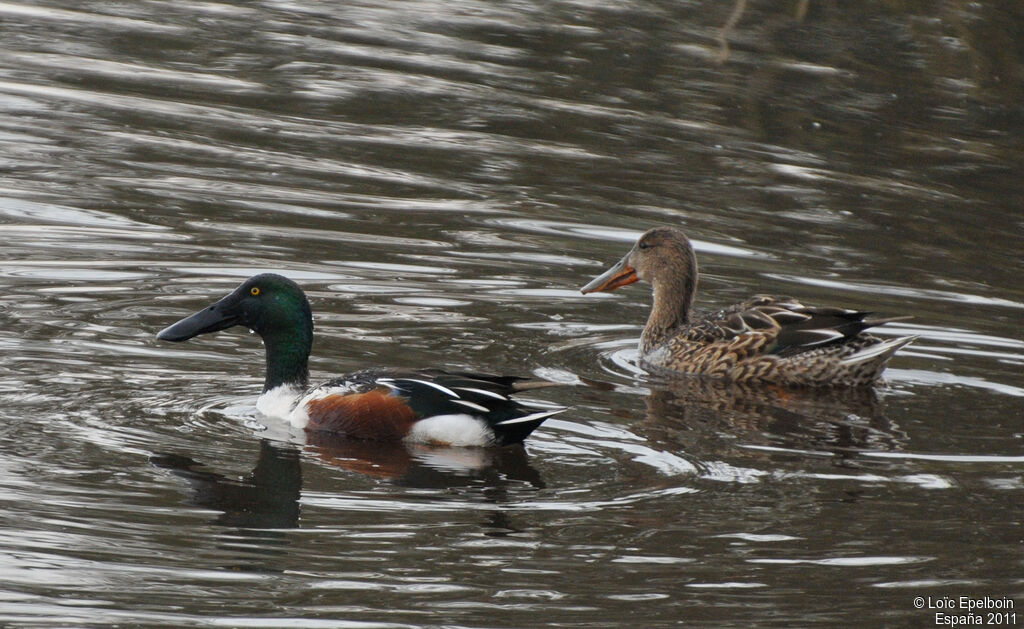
(442, 178)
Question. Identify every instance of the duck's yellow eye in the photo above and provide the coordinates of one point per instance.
(255, 290)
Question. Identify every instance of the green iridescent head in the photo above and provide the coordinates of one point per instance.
(270, 305)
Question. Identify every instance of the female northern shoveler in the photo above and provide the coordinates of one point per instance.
(764, 339)
(435, 407)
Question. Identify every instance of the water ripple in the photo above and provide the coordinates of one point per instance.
(442, 177)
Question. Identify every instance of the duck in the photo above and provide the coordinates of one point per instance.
(763, 340)
(432, 406)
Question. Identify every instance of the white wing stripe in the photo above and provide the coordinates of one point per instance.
(825, 334)
(536, 404)
(529, 418)
(492, 394)
(440, 388)
(472, 405)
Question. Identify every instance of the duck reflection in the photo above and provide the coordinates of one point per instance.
(268, 497)
(424, 466)
(697, 412)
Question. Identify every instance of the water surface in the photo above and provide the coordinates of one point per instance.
(442, 178)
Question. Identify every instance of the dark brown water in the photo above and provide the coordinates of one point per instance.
(442, 178)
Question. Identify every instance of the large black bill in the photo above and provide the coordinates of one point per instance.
(219, 316)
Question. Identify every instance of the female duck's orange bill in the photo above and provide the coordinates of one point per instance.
(622, 274)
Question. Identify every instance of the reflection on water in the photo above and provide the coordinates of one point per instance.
(267, 498)
(844, 422)
(442, 177)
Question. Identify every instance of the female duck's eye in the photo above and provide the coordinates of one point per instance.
(643, 245)
(254, 291)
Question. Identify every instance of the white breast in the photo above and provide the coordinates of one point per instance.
(288, 403)
(282, 403)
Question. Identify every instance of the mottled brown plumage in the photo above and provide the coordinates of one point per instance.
(764, 339)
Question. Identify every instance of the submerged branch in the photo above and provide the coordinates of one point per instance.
(723, 34)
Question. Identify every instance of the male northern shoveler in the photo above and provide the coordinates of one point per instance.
(436, 407)
(764, 339)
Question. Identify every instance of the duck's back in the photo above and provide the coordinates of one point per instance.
(428, 406)
(777, 340)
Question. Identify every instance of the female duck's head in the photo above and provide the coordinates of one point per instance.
(270, 305)
(664, 257)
